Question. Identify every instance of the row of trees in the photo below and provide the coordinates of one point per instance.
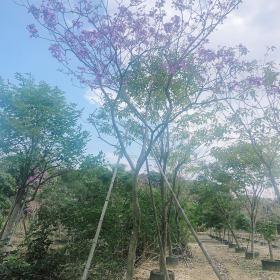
(230, 194)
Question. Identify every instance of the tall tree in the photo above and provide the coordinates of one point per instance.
(141, 60)
(39, 137)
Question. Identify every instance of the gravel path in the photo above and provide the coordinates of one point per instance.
(233, 266)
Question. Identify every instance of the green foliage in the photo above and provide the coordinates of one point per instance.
(7, 189)
(74, 203)
(242, 223)
(267, 229)
(14, 268)
(241, 166)
(38, 129)
(38, 261)
(216, 205)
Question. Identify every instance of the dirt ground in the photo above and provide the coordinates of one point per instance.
(233, 266)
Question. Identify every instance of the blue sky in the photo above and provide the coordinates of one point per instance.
(255, 24)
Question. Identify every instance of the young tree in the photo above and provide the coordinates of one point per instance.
(249, 179)
(39, 137)
(268, 231)
(214, 192)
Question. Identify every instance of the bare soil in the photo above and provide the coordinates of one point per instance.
(233, 266)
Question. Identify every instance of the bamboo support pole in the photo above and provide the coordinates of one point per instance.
(95, 239)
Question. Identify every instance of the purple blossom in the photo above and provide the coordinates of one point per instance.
(49, 18)
(242, 49)
(254, 80)
(34, 11)
(32, 30)
(77, 23)
(56, 52)
(144, 180)
(57, 5)
(168, 27)
(207, 54)
(108, 40)
(159, 3)
(173, 69)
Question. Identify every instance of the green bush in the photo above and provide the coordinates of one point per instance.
(267, 229)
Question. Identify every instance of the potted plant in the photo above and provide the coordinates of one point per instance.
(268, 231)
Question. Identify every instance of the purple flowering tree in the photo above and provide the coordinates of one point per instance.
(148, 66)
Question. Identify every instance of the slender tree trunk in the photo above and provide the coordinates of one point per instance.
(163, 227)
(270, 250)
(164, 151)
(274, 184)
(11, 219)
(177, 225)
(163, 238)
(135, 230)
(11, 239)
(234, 236)
(252, 236)
(177, 217)
(252, 242)
(24, 227)
(169, 241)
(162, 255)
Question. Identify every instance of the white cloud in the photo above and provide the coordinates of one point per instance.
(255, 24)
(94, 96)
(112, 158)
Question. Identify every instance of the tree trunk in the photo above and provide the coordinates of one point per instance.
(135, 230)
(163, 226)
(164, 151)
(252, 237)
(11, 238)
(169, 241)
(274, 184)
(162, 255)
(24, 227)
(12, 217)
(252, 242)
(270, 250)
(234, 236)
(177, 225)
